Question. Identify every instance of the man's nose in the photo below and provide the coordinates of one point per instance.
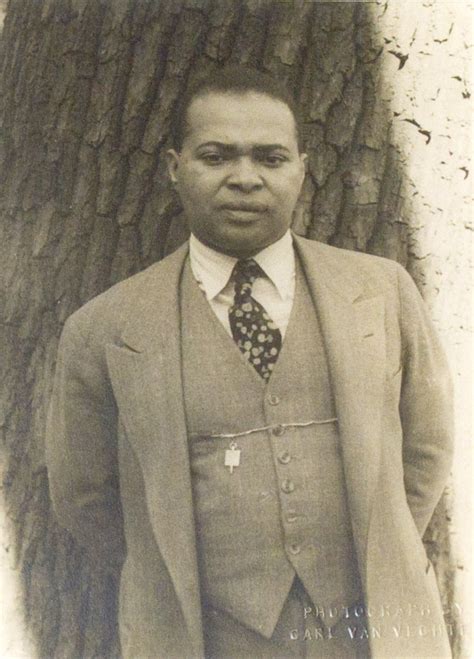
(245, 175)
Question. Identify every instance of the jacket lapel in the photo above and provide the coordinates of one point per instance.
(354, 337)
(146, 376)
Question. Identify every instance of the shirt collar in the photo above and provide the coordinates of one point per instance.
(213, 269)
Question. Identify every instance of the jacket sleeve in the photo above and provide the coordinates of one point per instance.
(426, 406)
(81, 448)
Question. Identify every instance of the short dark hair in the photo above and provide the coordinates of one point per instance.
(235, 79)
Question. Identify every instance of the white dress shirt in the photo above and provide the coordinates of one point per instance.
(275, 292)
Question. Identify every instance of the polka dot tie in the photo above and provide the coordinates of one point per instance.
(253, 330)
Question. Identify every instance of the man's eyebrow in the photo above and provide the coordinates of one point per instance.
(265, 148)
(213, 143)
(261, 148)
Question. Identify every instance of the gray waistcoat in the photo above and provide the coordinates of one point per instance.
(283, 510)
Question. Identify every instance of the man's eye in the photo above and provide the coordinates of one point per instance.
(274, 161)
(212, 158)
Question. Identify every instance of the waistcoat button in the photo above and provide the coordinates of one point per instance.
(291, 516)
(273, 399)
(278, 431)
(284, 458)
(294, 549)
(288, 486)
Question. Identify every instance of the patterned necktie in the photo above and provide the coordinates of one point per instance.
(253, 330)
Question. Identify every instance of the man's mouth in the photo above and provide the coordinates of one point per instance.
(245, 207)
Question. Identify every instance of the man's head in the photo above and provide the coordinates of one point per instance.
(236, 163)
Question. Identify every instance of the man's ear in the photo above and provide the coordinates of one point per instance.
(172, 162)
(303, 163)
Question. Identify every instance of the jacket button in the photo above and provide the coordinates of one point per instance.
(294, 549)
(288, 486)
(284, 458)
(291, 516)
(278, 431)
(273, 399)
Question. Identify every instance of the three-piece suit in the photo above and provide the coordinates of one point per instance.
(343, 456)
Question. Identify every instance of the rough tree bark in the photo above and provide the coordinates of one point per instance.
(89, 91)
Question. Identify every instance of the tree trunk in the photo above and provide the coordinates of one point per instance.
(89, 93)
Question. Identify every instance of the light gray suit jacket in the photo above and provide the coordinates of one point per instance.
(118, 459)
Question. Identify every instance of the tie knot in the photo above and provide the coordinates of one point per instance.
(245, 272)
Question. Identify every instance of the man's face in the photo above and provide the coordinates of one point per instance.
(239, 172)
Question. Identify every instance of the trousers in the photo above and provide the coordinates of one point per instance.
(302, 632)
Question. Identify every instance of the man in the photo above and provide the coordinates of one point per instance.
(255, 431)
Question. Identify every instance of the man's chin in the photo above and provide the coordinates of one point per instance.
(240, 249)
(241, 236)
